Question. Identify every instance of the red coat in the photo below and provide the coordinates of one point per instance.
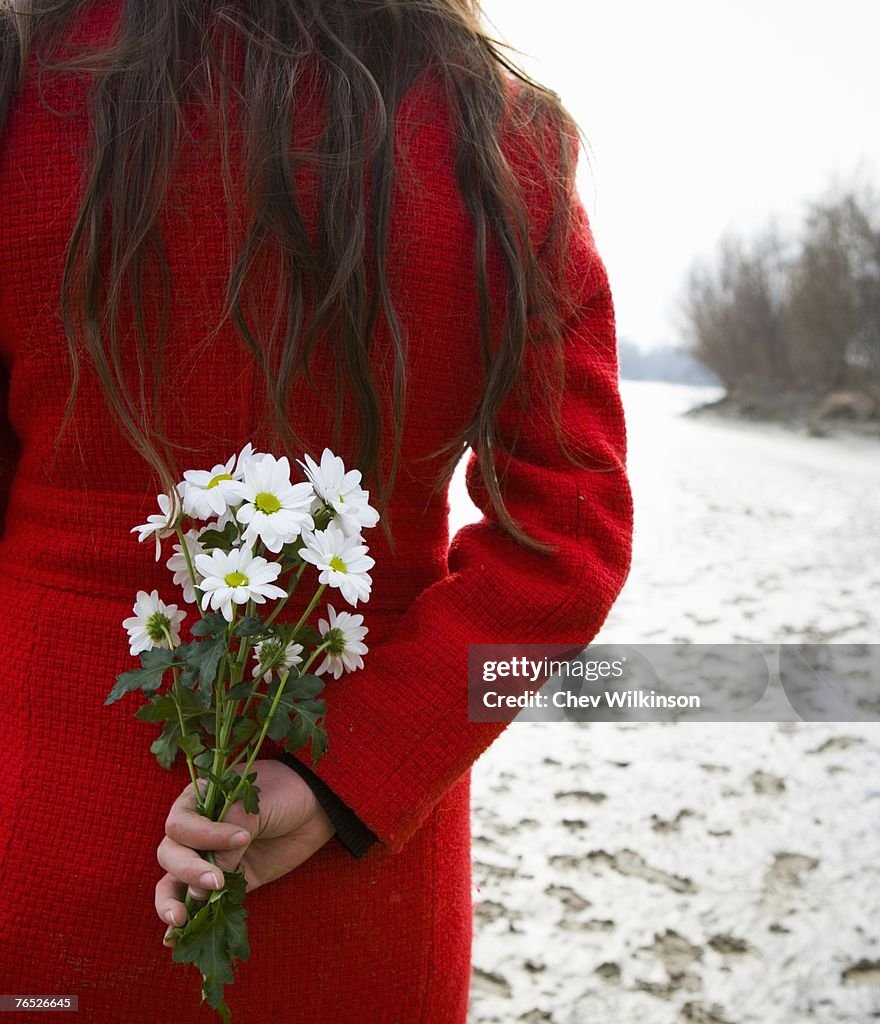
(380, 940)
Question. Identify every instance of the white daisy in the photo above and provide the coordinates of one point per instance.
(178, 565)
(343, 561)
(247, 454)
(274, 510)
(219, 524)
(236, 577)
(346, 633)
(160, 526)
(270, 653)
(146, 628)
(342, 491)
(209, 493)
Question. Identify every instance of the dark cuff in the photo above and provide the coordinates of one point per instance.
(350, 830)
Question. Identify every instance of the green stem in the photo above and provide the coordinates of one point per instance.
(312, 604)
(238, 756)
(278, 608)
(257, 681)
(233, 796)
(318, 650)
(290, 594)
(184, 734)
(301, 672)
(245, 644)
(184, 547)
(220, 727)
(247, 703)
(175, 696)
(236, 673)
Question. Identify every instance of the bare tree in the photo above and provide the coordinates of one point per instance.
(771, 315)
(824, 313)
(733, 313)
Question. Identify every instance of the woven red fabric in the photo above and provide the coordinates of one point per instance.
(385, 939)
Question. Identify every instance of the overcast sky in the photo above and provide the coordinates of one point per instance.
(702, 116)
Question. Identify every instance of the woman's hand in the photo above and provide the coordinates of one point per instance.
(290, 827)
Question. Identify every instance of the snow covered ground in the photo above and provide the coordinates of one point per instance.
(711, 873)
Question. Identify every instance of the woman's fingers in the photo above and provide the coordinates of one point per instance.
(187, 830)
(289, 828)
(188, 867)
(184, 825)
(169, 902)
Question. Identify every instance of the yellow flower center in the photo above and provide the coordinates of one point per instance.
(267, 503)
(337, 564)
(236, 579)
(216, 479)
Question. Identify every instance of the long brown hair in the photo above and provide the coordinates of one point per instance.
(370, 53)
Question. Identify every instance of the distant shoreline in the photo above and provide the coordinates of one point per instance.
(836, 414)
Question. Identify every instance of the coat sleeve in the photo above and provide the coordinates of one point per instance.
(399, 734)
(350, 830)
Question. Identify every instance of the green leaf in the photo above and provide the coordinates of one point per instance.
(155, 662)
(208, 722)
(250, 794)
(205, 760)
(164, 708)
(244, 730)
(210, 625)
(274, 684)
(191, 744)
(309, 637)
(212, 777)
(308, 721)
(202, 661)
(297, 735)
(250, 625)
(242, 690)
(319, 744)
(305, 687)
(165, 745)
(224, 538)
(214, 938)
(160, 709)
(280, 722)
(191, 706)
(312, 710)
(227, 783)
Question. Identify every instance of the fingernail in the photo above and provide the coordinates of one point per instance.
(209, 881)
(169, 917)
(240, 838)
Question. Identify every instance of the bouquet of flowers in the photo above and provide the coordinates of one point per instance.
(246, 536)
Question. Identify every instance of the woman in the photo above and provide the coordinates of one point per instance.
(295, 223)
